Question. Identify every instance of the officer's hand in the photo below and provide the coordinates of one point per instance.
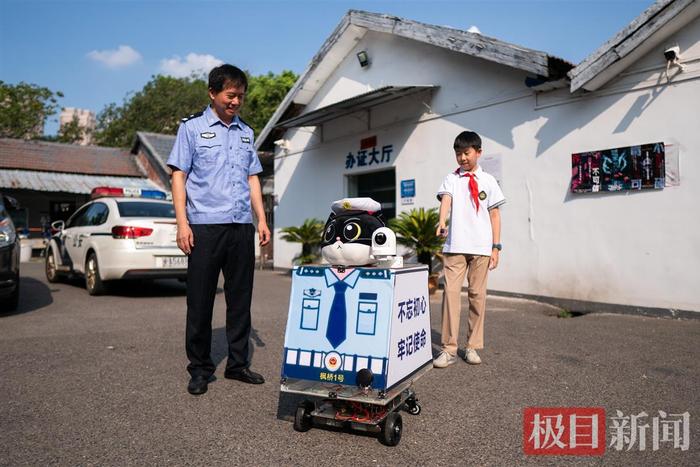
(263, 233)
(185, 238)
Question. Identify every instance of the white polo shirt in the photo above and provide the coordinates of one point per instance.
(468, 231)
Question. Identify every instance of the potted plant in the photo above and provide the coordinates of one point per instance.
(309, 234)
(415, 229)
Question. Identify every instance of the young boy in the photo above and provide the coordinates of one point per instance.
(472, 197)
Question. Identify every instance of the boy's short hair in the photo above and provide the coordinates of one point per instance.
(224, 75)
(466, 140)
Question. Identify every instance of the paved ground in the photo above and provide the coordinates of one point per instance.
(101, 381)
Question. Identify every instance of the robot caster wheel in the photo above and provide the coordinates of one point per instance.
(412, 406)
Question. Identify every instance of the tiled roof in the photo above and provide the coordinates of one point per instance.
(67, 183)
(157, 144)
(67, 158)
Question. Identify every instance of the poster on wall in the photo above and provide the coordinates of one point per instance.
(628, 168)
(491, 163)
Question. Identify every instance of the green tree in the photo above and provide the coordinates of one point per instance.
(415, 229)
(157, 108)
(265, 93)
(24, 109)
(309, 234)
(164, 100)
(72, 132)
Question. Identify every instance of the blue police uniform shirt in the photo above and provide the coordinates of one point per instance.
(217, 159)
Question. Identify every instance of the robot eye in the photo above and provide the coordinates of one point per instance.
(352, 231)
(380, 238)
(329, 233)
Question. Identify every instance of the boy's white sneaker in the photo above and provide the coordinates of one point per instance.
(472, 357)
(443, 360)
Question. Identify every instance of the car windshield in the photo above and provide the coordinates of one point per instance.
(144, 209)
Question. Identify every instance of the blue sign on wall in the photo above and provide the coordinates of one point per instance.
(408, 191)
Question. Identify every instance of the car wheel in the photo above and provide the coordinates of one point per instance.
(12, 301)
(50, 267)
(93, 281)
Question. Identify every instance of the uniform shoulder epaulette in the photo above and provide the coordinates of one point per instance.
(198, 114)
(310, 271)
(245, 123)
(375, 273)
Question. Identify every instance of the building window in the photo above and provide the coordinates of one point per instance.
(380, 186)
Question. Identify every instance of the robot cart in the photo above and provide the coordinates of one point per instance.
(356, 340)
(359, 409)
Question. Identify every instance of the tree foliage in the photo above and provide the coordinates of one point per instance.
(72, 132)
(264, 95)
(24, 109)
(165, 100)
(157, 108)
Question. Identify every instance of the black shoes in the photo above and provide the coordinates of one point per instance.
(198, 385)
(245, 375)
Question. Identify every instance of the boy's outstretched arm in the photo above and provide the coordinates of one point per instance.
(495, 215)
(445, 206)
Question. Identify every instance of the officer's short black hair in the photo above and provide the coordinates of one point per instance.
(466, 140)
(224, 75)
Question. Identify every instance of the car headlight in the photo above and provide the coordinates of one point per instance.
(7, 233)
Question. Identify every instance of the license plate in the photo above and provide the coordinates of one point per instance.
(171, 262)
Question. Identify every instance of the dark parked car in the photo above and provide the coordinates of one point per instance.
(9, 257)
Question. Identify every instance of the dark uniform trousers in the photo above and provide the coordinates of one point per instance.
(228, 248)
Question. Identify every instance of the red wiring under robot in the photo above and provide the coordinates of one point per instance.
(360, 413)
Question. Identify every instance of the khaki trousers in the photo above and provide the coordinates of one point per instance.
(476, 268)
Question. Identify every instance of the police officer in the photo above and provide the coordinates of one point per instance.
(214, 182)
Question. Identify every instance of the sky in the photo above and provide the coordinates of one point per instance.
(97, 52)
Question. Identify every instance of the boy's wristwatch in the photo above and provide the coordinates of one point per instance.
(497, 246)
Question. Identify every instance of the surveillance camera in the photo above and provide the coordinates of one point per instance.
(383, 242)
(672, 53)
(282, 143)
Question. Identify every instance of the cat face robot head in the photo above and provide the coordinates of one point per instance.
(347, 237)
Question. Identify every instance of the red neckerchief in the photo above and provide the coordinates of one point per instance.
(473, 187)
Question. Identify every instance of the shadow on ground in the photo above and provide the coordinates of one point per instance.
(139, 288)
(33, 295)
(219, 345)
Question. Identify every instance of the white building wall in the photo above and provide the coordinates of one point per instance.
(635, 248)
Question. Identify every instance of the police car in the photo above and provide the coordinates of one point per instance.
(120, 234)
